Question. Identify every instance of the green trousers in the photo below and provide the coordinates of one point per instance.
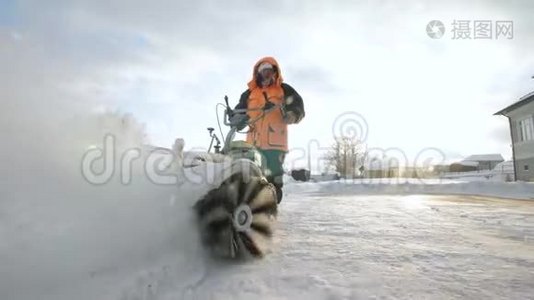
(273, 168)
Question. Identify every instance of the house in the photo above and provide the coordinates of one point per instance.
(477, 162)
(483, 161)
(464, 166)
(521, 119)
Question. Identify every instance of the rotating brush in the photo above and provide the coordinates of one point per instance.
(237, 218)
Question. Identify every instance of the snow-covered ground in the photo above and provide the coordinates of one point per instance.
(406, 186)
(387, 247)
(334, 240)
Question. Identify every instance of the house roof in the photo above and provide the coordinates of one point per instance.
(484, 157)
(522, 101)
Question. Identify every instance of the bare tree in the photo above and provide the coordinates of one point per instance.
(346, 157)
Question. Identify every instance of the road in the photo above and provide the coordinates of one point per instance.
(386, 247)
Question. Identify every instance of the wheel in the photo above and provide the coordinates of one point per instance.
(237, 218)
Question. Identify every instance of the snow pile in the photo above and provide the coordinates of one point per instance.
(407, 186)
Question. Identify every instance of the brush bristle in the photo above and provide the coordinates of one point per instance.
(222, 233)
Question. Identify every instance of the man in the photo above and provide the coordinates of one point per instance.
(269, 133)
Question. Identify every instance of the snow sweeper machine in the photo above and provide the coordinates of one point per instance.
(237, 217)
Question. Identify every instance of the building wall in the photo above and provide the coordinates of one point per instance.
(522, 150)
(487, 165)
(522, 174)
(461, 168)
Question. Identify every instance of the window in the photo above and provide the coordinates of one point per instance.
(525, 167)
(526, 129)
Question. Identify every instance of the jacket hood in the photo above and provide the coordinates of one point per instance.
(253, 82)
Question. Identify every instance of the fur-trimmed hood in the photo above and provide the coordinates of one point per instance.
(253, 83)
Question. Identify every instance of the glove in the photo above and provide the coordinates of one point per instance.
(239, 121)
(290, 117)
(291, 111)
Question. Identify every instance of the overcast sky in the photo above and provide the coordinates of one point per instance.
(169, 63)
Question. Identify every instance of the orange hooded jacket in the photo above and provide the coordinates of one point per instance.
(270, 131)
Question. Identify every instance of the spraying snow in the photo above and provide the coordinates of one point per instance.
(62, 237)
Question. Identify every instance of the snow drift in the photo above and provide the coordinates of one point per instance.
(411, 186)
